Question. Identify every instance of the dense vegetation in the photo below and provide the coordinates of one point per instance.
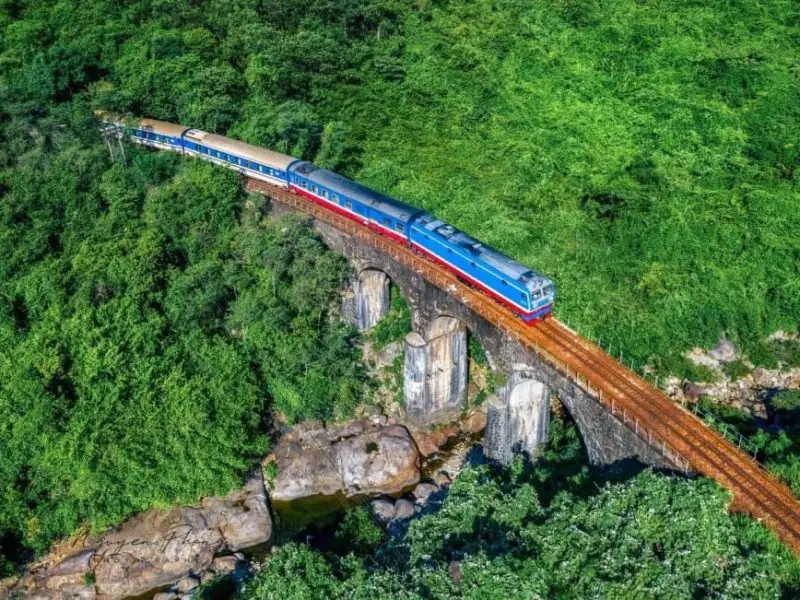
(150, 333)
(548, 532)
(642, 154)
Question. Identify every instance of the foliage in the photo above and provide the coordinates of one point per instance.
(357, 533)
(150, 333)
(476, 352)
(395, 324)
(642, 154)
(554, 531)
(736, 369)
(786, 401)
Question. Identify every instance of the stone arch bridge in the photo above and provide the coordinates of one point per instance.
(621, 417)
(436, 351)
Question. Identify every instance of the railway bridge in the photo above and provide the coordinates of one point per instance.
(622, 417)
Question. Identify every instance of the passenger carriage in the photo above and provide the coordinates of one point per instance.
(526, 292)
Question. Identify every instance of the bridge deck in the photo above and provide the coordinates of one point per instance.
(682, 438)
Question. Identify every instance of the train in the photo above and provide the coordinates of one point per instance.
(526, 292)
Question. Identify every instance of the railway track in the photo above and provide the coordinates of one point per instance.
(682, 438)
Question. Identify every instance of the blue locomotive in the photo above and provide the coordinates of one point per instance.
(526, 292)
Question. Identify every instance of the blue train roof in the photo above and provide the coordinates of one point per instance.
(494, 258)
(386, 204)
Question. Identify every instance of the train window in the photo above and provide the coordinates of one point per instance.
(348, 204)
(314, 189)
(324, 193)
(504, 282)
(387, 222)
(398, 226)
(335, 198)
(474, 266)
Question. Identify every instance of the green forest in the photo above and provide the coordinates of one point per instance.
(152, 324)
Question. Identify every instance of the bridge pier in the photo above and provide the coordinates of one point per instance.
(435, 373)
(517, 420)
(372, 298)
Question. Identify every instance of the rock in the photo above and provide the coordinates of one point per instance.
(66, 578)
(187, 584)
(377, 461)
(157, 548)
(454, 570)
(474, 422)
(692, 391)
(225, 565)
(382, 510)
(442, 479)
(423, 492)
(385, 356)
(724, 351)
(384, 462)
(379, 420)
(403, 509)
(760, 377)
(243, 516)
(429, 442)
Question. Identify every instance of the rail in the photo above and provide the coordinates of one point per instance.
(680, 436)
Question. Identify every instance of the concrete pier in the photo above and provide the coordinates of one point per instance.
(518, 419)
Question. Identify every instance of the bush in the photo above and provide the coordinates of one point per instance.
(396, 324)
(736, 369)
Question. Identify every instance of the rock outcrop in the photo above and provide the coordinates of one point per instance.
(751, 392)
(360, 458)
(157, 548)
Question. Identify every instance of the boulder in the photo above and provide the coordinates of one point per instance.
(403, 510)
(225, 565)
(187, 584)
(423, 492)
(429, 442)
(242, 517)
(382, 510)
(352, 460)
(442, 479)
(157, 548)
(724, 351)
(474, 422)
